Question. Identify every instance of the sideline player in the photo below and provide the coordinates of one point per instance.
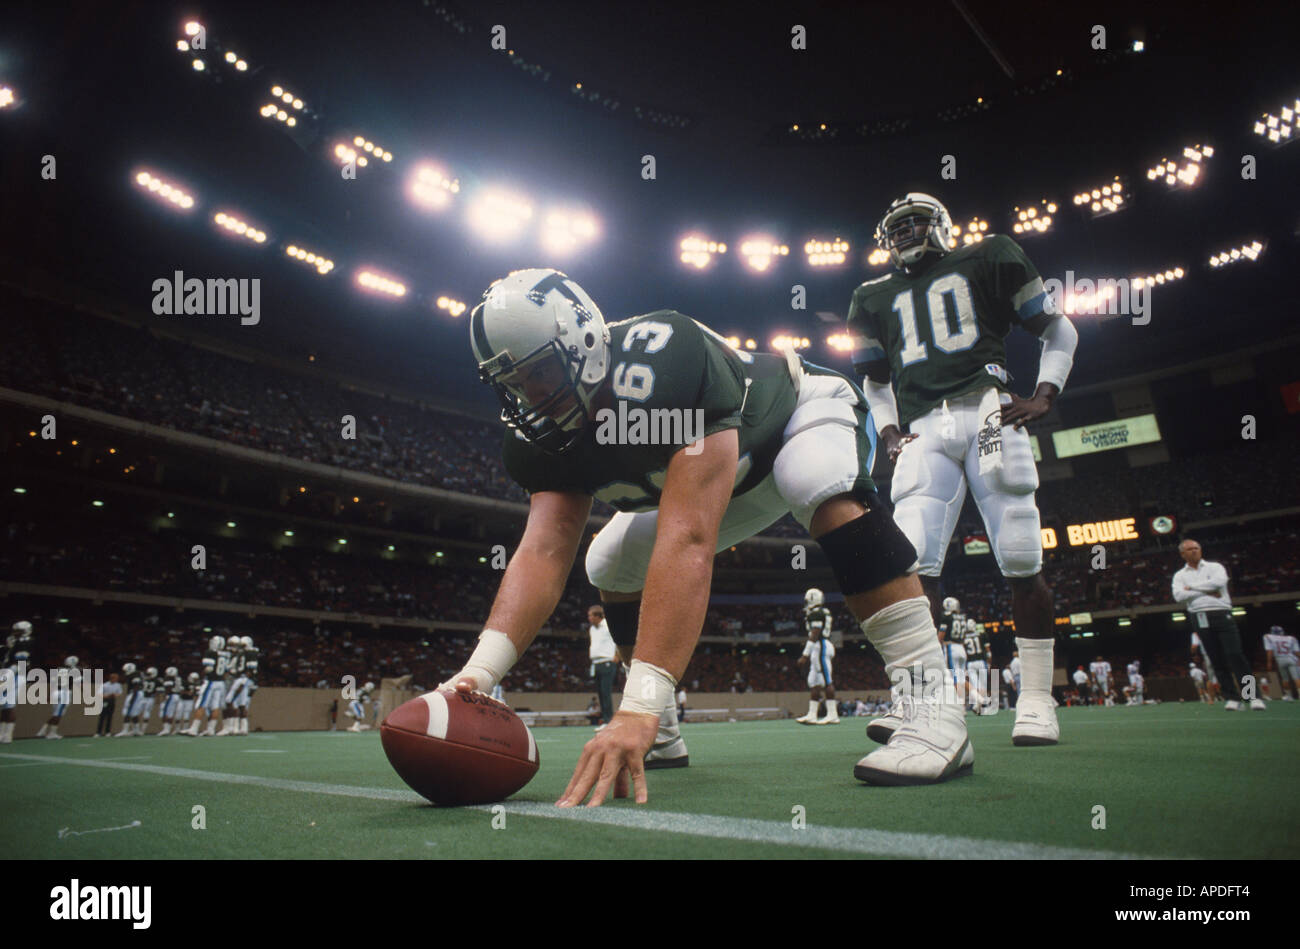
(1082, 685)
(1133, 691)
(979, 659)
(208, 703)
(357, 709)
(1099, 672)
(1283, 651)
(1198, 679)
(818, 653)
(133, 685)
(13, 675)
(757, 435)
(928, 337)
(172, 686)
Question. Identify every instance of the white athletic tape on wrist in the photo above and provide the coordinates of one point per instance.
(494, 656)
(649, 689)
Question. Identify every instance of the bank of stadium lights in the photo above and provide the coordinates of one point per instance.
(1034, 218)
(370, 148)
(826, 253)
(789, 342)
(1249, 251)
(430, 187)
(840, 342)
(239, 227)
(454, 307)
(6, 97)
(232, 59)
(346, 153)
(1184, 173)
(698, 252)
(735, 342)
(284, 107)
(379, 283)
(878, 257)
(497, 215)
(759, 252)
(1279, 128)
(1157, 279)
(564, 231)
(1104, 199)
(972, 233)
(322, 263)
(272, 111)
(164, 190)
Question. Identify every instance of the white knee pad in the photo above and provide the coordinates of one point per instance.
(1017, 540)
(821, 456)
(619, 555)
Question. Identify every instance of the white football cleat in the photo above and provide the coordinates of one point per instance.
(1258, 705)
(805, 720)
(1036, 722)
(882, 728)
(930, 746)
(1231, 706)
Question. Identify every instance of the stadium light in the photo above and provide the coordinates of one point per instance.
(361, 142)
(784, 341)
(1158, 279)
(7, 97)
(454, 307)
(759, 252)
(431, 188)
(375, 282)
(972, 233)
(346, 153)
(322, 263)
(1182, 174)
(1235, 255)
(198, 65)
(826, 253)
(192, 28)
(239, 227)
(565, 230)
(698, 251)
(1278, 129)
(877, 257)
(1104, 199)
(164, 190)
(1034, 218)
(497, 215)
(273, 111)
(840, 342)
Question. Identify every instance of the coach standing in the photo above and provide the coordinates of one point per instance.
(112, 689)
(604, 663)
(1202, 587)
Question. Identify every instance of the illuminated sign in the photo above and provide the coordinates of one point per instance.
(1102, 532)
(1033, 446)
(1049, 538)
(1080, 619)
(1163, 524)
(1122, 433)
(976, 544)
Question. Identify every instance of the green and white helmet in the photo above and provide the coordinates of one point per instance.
(542, 344)
(913, 226)
(813, 598)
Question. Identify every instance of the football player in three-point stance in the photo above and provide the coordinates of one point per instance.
(606, 411)
(818, 653)
(929, 339)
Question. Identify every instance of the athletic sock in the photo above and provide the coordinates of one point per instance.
(668, 730)
(1036, 660)
(812, 708)
(904, 635)
(44, 729)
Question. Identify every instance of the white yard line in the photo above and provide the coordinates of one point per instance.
(844, 839)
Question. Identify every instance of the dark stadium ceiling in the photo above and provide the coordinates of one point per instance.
(104, 90)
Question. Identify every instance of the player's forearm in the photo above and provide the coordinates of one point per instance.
(883, 405)
(529, 593)
(674, 602)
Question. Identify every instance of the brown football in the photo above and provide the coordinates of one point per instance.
(459, 747)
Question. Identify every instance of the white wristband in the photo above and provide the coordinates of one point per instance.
(494, 656)
(649, 689)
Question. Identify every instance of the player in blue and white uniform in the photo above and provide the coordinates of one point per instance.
(171, 686)
(64, 680)
(208, 703)
(236, 686)
(13, 675)
(1284, 654)
(1133, 691)
(818, 653)
(357, 708)
(148, 690)
(132, 689)
(1199, 654)
(193, 681)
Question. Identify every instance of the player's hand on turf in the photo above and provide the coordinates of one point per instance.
(1020, 411)
(894, 441)
(608, 760)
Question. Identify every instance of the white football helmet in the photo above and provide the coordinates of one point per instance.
(972, 626)
(247, 642)
(23, 629)
(71, 662)
(812, 598)
(171, 672)
(951, 605)
(217, 643)
(235, 643)
(543, 346)
(151, 672)
(900, 230)
(193, 677)
(128, 668)
(368, 687)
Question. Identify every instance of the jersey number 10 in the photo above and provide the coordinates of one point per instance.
(948, 339)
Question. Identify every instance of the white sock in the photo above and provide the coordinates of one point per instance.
(668, 730)
(1036, 659)
(904, 635)
(44, 729)
(812, 708)
(7, 731)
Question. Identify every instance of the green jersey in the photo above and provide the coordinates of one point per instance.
(818, 618)
(673, 381)
(938, 333)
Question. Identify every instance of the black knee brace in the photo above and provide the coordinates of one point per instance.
(868, 551)
(622, 620)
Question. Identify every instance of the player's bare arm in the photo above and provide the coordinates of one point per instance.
(695, 496)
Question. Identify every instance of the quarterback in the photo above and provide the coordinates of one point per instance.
(779, 435)
(929, 340)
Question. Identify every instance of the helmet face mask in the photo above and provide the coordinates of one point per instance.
(912, 227)
(540, 395)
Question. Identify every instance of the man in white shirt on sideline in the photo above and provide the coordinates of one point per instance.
(1202, 587)
(604, 661)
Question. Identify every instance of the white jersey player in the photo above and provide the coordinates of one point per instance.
(357, 709)
(1283, 654)
(818, 654)
(1133, 692)
(1198, 679)
(215, 662)
(1100, 670)
(65, 680)
(1199, 654)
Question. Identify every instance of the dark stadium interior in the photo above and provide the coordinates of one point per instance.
(715, 98)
